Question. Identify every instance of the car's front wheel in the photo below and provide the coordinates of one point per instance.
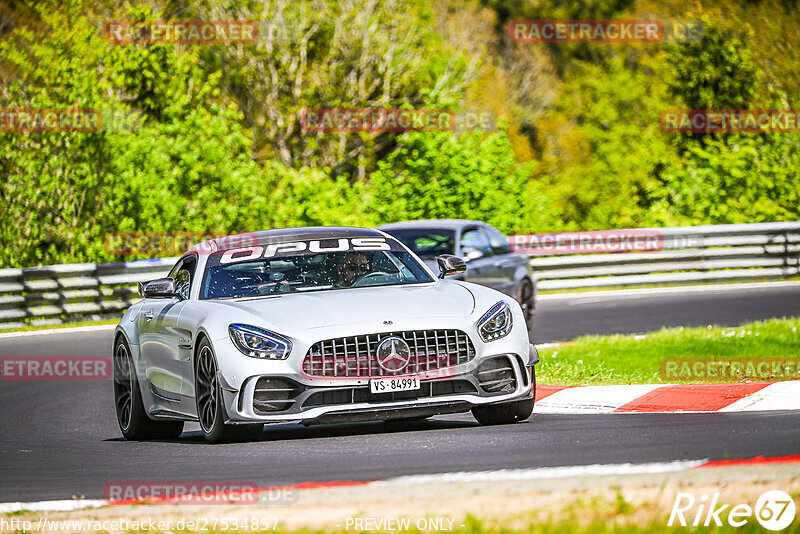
(133, 420)
(208, 396)
(507, 412)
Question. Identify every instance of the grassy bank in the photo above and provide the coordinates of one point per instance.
(624, 359)
(613, 524)
(644, 511)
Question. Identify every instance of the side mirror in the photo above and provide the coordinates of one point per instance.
(449, 264)
(473, 254)
(160, 288)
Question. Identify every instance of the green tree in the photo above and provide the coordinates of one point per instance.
(603, 150)
(738, 178)
(183, 167)
(55, 184)
(330, 54)
(472, 176)
(724, 177)
(715, 72)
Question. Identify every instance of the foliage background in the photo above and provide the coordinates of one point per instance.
(207, 138)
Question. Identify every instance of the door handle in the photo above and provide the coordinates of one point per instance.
(148, 315)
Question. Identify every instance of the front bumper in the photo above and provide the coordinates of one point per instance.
(486, 380)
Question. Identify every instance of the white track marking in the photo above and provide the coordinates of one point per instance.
(592, 399)
(645, 291)
(50, 506)
(544, 472)
(777, 396)
(549, 345)
(49, 331)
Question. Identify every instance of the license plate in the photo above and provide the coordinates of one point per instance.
(387, 385)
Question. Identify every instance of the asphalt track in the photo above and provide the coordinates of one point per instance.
(60, 439)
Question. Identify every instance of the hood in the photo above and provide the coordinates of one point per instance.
(303, 311)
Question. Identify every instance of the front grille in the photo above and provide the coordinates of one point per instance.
(355, 356)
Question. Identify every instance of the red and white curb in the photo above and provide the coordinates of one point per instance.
(500, 475)
(670, 398)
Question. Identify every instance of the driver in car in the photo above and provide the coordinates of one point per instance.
(350, 268)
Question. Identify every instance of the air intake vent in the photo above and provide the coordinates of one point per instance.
(497, 376)
(274, 395)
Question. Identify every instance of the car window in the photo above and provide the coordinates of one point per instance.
(234, 274)
(183, 281)
(427, 242)
(497, 240)
(474, 244)
(183, 272)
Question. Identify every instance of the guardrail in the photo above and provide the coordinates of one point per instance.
(692, 254)
(696, 254)
(60, 293)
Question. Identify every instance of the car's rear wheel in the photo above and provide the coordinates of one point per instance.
(507, 412)
(133, 420)
(208, 396)
(526, 296)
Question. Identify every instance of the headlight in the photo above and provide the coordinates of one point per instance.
(495, 323)
(259, 343)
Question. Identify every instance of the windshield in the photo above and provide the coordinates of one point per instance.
(427, 242)
(229, 276)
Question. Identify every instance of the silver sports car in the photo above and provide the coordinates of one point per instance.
(316, 325)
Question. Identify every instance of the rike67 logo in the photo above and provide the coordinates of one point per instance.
(774, 510)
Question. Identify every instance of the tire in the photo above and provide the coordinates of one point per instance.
(507, 412)
(132, 418)
(208, 399)
(526, 296)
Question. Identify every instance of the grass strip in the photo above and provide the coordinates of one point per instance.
(645, 359)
